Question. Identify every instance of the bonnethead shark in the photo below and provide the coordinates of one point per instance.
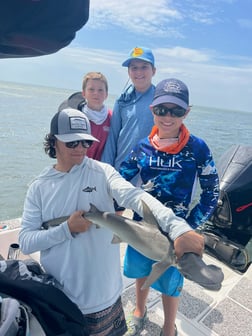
(146, 237)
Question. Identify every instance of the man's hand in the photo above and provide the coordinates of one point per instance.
(78, 223)
(189, 242)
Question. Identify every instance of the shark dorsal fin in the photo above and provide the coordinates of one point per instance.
(116, 240)
(148, 216)
(93, 208)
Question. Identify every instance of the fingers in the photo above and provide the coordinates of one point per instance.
(189, 242)
(78, 223)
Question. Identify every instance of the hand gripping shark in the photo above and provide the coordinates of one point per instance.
(146, 238)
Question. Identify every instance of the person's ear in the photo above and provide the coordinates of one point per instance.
(187, 111)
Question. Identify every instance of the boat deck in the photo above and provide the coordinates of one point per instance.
(201, 312)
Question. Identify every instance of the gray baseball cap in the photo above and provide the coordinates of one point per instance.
(71, 125)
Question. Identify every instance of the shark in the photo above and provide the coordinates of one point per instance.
(146, 237)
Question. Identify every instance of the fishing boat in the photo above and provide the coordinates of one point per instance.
(228, 237)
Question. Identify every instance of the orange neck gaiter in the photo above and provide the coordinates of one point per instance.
(175, 148)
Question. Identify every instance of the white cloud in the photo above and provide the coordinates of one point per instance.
(183, 54)
(156, 17)
(141, 17)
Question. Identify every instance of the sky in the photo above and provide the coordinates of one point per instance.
(205, 43)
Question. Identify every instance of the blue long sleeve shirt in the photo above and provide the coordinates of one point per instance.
(172, 178)
(131, 121)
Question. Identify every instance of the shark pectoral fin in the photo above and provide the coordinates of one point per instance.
(157, 270)
(116, 240)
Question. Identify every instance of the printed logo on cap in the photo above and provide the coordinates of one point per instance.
(137, 52)
(173, 87)
(77, 123)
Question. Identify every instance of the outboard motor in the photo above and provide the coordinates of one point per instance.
(228, 234)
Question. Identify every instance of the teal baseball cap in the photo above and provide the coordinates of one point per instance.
(141, 53)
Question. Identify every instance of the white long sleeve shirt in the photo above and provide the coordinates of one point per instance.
(86, 264)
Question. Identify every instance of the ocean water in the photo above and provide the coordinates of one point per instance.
(26, 112)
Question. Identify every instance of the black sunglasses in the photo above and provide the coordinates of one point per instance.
(74, 144)
(161, 110)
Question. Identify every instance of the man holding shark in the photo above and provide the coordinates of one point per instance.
(78, 254)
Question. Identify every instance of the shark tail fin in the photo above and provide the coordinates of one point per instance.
(157, 270)
(160, 267)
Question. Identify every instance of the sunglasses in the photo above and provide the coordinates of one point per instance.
(161, 111)
(74, 144)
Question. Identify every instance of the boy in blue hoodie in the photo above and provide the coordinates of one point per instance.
(132, 119)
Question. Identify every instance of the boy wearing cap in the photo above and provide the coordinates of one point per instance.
(77, 254)
(170, 161)
(132, 119)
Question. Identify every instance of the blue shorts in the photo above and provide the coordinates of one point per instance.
(138, 266)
